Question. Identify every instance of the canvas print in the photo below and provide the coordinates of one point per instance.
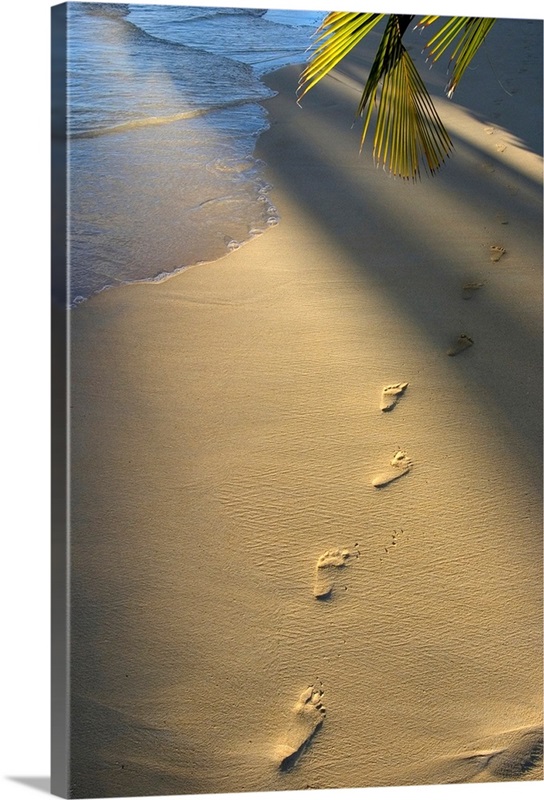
(297, 399)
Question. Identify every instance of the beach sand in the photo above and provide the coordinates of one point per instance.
(261, 599)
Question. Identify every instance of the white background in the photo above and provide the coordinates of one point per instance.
(24, 318)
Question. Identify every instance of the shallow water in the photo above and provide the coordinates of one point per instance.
(163, 116)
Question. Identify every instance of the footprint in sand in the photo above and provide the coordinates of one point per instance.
(307, 716)
(391, 394)
(497, 252)
(461, 344)
(400, 465)
(325, 571)
(470, 288)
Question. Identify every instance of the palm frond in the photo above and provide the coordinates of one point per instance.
(408, 128)
(339, 33)
(470, 34)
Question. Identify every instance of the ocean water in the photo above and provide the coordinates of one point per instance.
(163, 116)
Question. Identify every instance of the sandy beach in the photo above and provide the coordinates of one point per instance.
(262, 600)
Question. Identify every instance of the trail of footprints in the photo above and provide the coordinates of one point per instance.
(464, 341)
(308, 713)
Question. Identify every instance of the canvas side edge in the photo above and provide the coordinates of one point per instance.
(60, 706)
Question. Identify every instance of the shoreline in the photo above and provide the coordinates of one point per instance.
(227, 432)
(184, 233)
(352, 79)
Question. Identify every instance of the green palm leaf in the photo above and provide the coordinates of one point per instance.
(340, 33)
(471, 33)
(408, 128)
